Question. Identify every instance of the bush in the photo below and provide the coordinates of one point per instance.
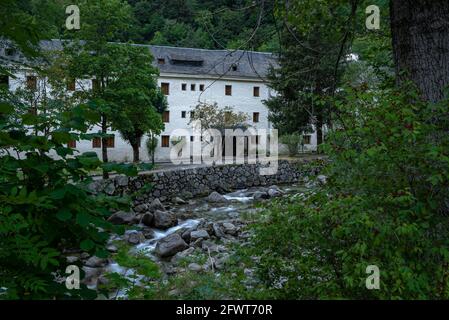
(292, 142)
(45, 205)
(385, 204)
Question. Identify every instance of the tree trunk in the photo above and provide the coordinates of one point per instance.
(135, 147)
(420, 33)
(104, 149)
(319, 129)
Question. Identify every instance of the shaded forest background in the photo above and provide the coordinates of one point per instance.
(208, 24)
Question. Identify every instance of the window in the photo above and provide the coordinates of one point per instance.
(96, 143)
(183, 114)
(184, 86)
(256, 91)
(166, 116)
(71, 85)
(192, 138)
(255, 117)
(71, 144)
(4, 81)
(165, 88)
(192, 114)
(201, 87)
(192, 87)
(165, 141)
(32, 82)
(306, 139)
(161, 61)
(95, 84)
(110, 142)
(228, 90)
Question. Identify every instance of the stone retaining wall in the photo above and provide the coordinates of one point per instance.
(193, 182)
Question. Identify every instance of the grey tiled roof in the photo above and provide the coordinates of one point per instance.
(201, 62)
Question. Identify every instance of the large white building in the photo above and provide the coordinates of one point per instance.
(188, 77)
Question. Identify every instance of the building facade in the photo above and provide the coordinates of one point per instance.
(188, 77)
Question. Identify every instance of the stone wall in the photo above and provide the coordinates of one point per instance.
(193, 182)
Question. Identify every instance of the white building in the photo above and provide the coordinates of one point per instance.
(187, 77)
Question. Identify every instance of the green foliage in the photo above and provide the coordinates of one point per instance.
(292, 141)
(45, 203)
(138, 100)
(138, 279)
(385, 204)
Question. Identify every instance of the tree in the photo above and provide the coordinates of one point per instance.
(90, 55)
(211, 116)
(137, 97)
(45, 204)
(315, 47)
(420, 32)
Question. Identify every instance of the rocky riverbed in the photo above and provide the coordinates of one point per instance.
(171, 231)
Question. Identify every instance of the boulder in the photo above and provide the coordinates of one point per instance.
(156, 205)
(135, 237)
(148, 233)
(198, 234)
(95, 262)
(260, 195)
(71, 259)
(170, 245)
(164, 220)
(322, 179)
(91, 275)
(229, 228)
(182, 255)
(195, 267)
(141, 208)
(216, 197)
(217, 230)
(178, 200)
(112, 248)
(147, 219)
(274, 193)
(121, 217)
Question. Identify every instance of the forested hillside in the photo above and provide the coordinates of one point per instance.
(210, 24)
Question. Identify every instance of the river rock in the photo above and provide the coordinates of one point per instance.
(229, 228)
(179, 200)
(112, 248)
(71, 259)
(182, 255)
(274, 193)
(147, 219)
(217, 230)
(95, 262)
(156, 205)
(216, 197)
(141, 208)
(91, 275)
(198, 234)
(195, 267)
(164, 219)
(322, 179)
(135, 237)
(170, 245)
(148, 233)
(260, 195)
(121, 217)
